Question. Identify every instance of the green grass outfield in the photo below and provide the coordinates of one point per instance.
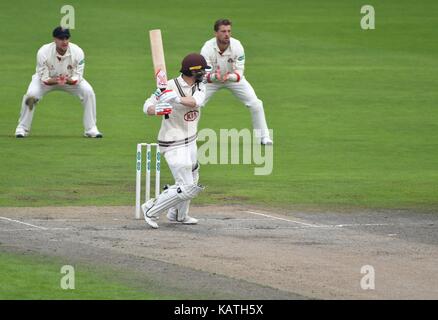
(38, 277)
(354, 112)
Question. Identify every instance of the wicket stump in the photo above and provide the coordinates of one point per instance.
(148, 147)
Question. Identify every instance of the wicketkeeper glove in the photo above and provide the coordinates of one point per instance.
(214, 76)
(61, 80)
(232, 77)
(163, 108)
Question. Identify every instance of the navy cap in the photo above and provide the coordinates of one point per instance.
(60, 32)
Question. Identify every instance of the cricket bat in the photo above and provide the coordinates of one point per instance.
(158, 61)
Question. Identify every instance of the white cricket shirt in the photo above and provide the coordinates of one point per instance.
(231, 60)
(182, 126)
(50, 64)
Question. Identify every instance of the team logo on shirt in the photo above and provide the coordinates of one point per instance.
(69, 67)
(230, 60)
(191, 115)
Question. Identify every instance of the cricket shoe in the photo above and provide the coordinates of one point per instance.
(93, 133)
(21, 133)
(266, 141)
(171, 216)
(145, 207)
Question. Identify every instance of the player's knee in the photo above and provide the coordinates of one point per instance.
(183, 175)
(189, 191)
(32, 94)
(255, 104)
(88, 92)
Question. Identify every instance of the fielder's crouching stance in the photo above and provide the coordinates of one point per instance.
(177, 140)
(60, 66)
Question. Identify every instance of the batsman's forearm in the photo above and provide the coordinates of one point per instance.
(188, 102)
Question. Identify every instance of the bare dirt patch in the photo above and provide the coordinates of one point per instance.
(238, 252)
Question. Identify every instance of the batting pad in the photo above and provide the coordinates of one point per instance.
(173, 196)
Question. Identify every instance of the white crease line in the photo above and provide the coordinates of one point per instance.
(32, 229)
(231, 219)
(288, 220)
(362, 225)
(265, 229)
(326, 225)
(61, 220)
(27, 224)
(15, 230)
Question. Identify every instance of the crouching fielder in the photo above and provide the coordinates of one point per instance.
(60, 66)
(177, 140)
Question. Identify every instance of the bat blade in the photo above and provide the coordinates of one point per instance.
(158, 61)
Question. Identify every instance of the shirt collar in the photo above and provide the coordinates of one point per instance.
(66, 54)
(227, 50)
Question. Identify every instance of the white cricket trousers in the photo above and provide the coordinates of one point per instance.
(246, 94)
(183, 164)
(38, 89)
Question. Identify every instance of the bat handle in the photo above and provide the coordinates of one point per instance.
(166, 116)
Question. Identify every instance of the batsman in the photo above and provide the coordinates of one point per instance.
(181, 101)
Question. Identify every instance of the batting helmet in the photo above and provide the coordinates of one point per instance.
(193, 63)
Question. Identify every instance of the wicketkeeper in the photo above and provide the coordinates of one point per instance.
(226, 57)
(177, 140)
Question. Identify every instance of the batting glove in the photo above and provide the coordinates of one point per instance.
(157, 94)
(163, 108)
(169, 96)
